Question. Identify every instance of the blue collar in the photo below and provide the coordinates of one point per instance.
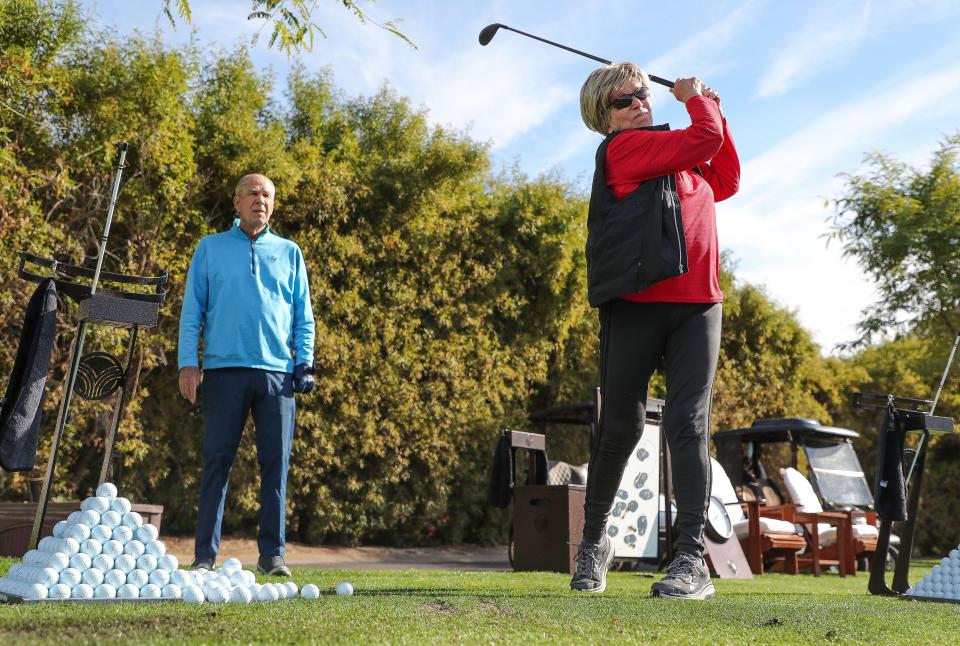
(236, 227)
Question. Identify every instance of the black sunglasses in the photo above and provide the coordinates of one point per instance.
(624, 101)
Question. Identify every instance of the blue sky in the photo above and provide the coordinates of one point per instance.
(808, 88)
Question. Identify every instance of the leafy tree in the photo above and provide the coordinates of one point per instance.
(903, 226)
(293, 25)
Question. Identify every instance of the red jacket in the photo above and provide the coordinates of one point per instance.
(704, 159)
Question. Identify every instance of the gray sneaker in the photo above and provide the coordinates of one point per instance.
(687, 578)
(273, 565)
(593, 561)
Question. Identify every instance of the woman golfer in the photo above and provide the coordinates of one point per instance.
(652, 270)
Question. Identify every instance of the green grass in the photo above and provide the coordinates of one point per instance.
(429, 606)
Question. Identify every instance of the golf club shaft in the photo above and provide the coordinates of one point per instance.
(936, 399)
(655, 79)
(106, 226)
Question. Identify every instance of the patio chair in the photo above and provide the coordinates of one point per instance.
(768, 540)
(835, 537)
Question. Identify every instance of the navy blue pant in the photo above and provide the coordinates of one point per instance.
(228, 395)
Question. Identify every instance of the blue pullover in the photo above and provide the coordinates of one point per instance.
(251, 299)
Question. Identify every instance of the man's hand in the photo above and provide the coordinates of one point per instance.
(189, 381)
(685, 89)
(302, 379)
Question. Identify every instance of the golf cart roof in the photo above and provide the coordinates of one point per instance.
(786, 429)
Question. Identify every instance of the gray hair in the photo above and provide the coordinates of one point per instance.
(247, 178)
(595, 94)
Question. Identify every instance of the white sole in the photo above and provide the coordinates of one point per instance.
(708, 592)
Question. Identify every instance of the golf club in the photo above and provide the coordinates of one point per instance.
(488, 32)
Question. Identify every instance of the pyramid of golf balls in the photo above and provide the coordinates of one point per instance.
(942, 582)
(106, 551)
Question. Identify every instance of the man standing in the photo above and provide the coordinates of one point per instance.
(247, 290)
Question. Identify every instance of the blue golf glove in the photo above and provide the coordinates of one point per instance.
(303, 378)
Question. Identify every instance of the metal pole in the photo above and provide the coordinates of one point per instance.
(106, 226)
(933, 407)
(110, 439)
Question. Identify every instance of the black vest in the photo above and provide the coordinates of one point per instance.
(634, 242)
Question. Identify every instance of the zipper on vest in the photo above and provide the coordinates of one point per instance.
(676, 223)
(253, 258)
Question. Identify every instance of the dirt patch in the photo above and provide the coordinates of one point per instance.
(492, 608)
(439, 608)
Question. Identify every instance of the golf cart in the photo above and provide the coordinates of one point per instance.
(834, 483)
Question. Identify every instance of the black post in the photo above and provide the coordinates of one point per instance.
(122, 400)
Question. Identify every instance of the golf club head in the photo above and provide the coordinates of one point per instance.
(488, 32)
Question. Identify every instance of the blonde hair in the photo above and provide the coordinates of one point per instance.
(595, 93)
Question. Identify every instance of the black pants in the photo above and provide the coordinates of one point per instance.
(634, 338)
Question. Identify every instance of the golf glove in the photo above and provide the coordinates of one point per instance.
(303, 378)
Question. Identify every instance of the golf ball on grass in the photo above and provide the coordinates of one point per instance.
(193, 594)
(232, 565)
(80, 561)
(310, 591)
(128, 591)
(345, 588)
(292, 589)
(241, 594)
(150, 591)
(59, 591)
(281, 590)
(107, 490)
(116, 578)
(171, 591)
(267, 593)
(81, 591)
(120, 505)
(105, 591)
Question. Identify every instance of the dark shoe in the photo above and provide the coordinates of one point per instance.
(593, 561)
(206, 564)
(687, 578)
(273, 565)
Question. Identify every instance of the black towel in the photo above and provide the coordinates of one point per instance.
(892, 487)
(22, 408)
(501, 474)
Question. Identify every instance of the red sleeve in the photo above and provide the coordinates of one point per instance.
(723, 171)
(638, 155)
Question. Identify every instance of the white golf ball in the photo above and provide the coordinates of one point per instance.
(155, 548)
(267, 593)
(92, 577)
(281, 590)
(240, 594)
(125, 563)
(57, 560)
(112, 548)
(138, 578)
(70, 577)
(150, 591)
(35, 591)
(134, 548)
(103, 562)
(208, 576)
(111, 519)
(115, 577)
(181, 578)
(72, 518)
(80, 561)
(292, 589)
(168, 562)
(91, 547)
(104, 591)
(345, 588)
(232, 565)
(49, 544)
(147, 562)
(59, 528)
(107, 490)
(88, 517)
(96, 503)
(59, 591)
(68, 546)
(171, 591)
(310, 591)
(132, 519)
(81, 591)
(146, 533)
(238, 578)
(193, 594)
(120, 504)
(216, 594)
(128, 591)
(159, 578)
(79, 532)
(122, 533)
(102, 533)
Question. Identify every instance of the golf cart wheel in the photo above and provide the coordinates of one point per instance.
(863, 563)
